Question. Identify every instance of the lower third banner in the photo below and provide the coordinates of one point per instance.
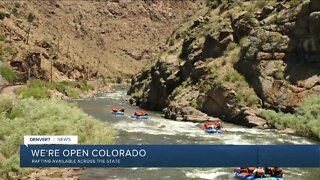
(169, 155)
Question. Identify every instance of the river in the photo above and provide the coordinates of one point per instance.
(158, 130)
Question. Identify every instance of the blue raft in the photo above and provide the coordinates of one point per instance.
(139, 117)
(212, 131)
(118, 113)
(240, 176)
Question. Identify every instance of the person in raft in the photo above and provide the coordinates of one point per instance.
(259, 173)
(208, 125)
(140, 113)
(218, 125)
(276, 172)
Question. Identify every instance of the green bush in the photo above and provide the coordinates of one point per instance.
(72, 93)
(17, 5)
(40, 89)
(30, 17)
(250, 99)
(234, 56)
(84, 86)
(35, 92)
(44, 117)
(15, 12)
(233, 76)
(2, 15)
(244, 42)
(232, 46)
(119, 80)
(306, 120)
(8, 74)
(249, 14)
(294, 3)
(194, 103)
(2, 37)
(11, 50)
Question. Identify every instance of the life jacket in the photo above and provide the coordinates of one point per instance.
(115, 109)
(140, 113)
(244, 174)
(207, 125)
(243, 170)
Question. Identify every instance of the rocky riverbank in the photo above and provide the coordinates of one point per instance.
(56, 173)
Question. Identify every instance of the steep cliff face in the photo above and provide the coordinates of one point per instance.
(281, 59)
(232, 58)
(86, 38)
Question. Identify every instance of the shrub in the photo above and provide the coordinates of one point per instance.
(2, 15)
(6, 104)
(84, 86)
(232, 46)
(251, 99)
(17, 5)
(8, 74)
(40, 89)
(2, 37)
(294, 3)
(30, 17)
(15, 12)
(244, 42)
(11, 50)
(119, 80)
(35, 92)
(249, 14)
(306, 120)
(171, 42)
(45, 117)
(234, 56)
(194, 103)
(233, 76)
(72, 93)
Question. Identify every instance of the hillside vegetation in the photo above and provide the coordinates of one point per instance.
(85, 39)
(306, 120)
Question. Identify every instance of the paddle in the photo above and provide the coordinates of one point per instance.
(225, 130)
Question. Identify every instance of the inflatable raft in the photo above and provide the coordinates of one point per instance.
(140, 117)
(118, 113)
(247, 176)
(213, 131)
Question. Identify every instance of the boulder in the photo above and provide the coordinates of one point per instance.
(314, 22)
(255, 121)
(312, 81)
(264, 56)
(265, 12)
(287, 131)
